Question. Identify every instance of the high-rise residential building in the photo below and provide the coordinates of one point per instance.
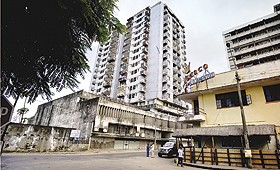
(147, 63)
(255, 42)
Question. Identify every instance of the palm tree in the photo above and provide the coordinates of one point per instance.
(21, 112)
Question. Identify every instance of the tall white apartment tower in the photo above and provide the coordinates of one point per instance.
(255, 42)
(146, 63)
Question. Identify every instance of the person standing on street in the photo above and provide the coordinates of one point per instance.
(153, 150)
(148, 150)
(180, 156)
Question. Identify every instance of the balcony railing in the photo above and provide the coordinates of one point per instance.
(142, 89)
(122, 78)
(144, 57)
(107, 83)
(144, 65)
(143, 81)
(143, 73)
(123, 71)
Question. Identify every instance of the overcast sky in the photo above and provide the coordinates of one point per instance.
(204, 22)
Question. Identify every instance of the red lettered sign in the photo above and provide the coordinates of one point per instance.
(6, 111)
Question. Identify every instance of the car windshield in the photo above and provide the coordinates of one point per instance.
(168, 144)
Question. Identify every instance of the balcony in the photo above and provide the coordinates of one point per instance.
(258, 57)
(165, 97)
(125, 52)
(143, 73)
(166, 55)
(124, 59)
(127, 40)
(106, 92)
(166, 41)
(176, 71)
(192, 118)
(143, 81)
(144, 57)
(142, 98)
(147, 13)
(166, 47)
(122, 72)
(165, 79)
(121, 89)
(145, 43)
(146, 31)
(145, 50)
(147, 25)
(176, 78)
(122, 78)
(165, 71)
(92, 89)
(108, 77)
(113, 48)
(109, 71)
(107, 84)
(165, 88)
(177, 102)
(144, 65)
(165, 63)
(111, 59)
(121, 94)
(110, 65)
(166, 22)
(166, 34)
(146, 37)
(176, 93)
(142, 89)
(147, 19)
(93, 82)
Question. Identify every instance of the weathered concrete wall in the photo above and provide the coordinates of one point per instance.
(26, 137)
(70, 111)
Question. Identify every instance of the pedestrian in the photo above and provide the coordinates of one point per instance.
(148, 150)
(180, 156)
(153, 150)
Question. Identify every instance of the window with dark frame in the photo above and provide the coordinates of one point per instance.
(230, 99)
(272, 93)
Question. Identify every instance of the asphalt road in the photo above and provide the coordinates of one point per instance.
(94, 161)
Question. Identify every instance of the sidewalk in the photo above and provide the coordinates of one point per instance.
(205, 166)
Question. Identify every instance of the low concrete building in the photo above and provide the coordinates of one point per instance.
(217, 99)
(108, 123)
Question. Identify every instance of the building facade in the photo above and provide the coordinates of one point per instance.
(255, 42)
(217, 99)
(145, 64)
(109, 123)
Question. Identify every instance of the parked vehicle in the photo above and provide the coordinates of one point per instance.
(169, 149)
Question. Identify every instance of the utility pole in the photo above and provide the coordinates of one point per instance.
(155, 142)
(245, 131)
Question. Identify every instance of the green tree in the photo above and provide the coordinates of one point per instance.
(21, 112)
(44, 43)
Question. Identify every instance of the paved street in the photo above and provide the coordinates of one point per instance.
(89, 160)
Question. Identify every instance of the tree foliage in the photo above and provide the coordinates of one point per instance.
(44, 43)
(21, 112)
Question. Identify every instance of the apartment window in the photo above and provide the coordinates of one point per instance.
(139, 15)
(272, 93)
(135, 57)
(134, 64)
(230, 99)
(133, 79)
(134, 71)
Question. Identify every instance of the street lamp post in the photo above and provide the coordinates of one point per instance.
(245, 131)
